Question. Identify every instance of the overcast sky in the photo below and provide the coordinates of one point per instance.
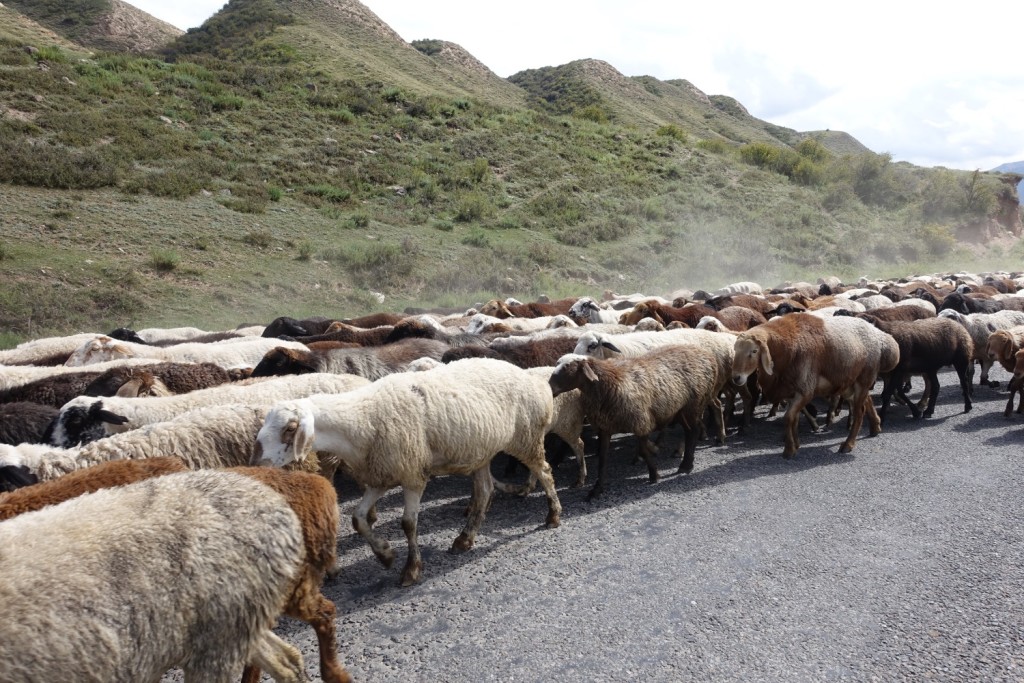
(932, 86)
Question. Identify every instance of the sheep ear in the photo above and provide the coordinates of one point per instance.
(656, 316)
(767, 365)
(588, 370)
(303, 441)
(110, 418)
(611, 347)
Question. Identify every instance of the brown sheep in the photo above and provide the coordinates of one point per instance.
(310, 496)
(799, 357)
(534, 309)
(74, 484)
(177, 378)
(534, 353)
(50, 391)
(740, 318)
(670, 384)
(754, 303)
(372, 320)
(689, 315)
(1003, 346)
(342, 332)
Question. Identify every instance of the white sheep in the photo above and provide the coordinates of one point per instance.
(921, 303)
(981, 326)
(242, 352)
(186, 570)
(739, 288)
(16, 375)
(405, 428)
(215, 436)
(87, 418)
(588, 310)
(481, 323)
(45, 351)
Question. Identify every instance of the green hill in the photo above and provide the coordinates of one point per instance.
(99, 24)
(298, 157)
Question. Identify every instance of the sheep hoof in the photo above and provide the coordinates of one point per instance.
(928, 413)
(594, 493)
(788, 454)
(993, 384)
(845, 448)
(968, 406)
(683, 469)
(462, 543)
(553, 521)
(411, 573)
(386, 555)
(579, 483)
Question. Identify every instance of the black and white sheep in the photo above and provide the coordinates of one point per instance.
(371, 362)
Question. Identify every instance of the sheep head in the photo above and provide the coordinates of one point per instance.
(594, 345)
(640, 311)
(496, 309)
(751, 355)
(84, 353)
(286, 436)
(1000, 346)
(83, 420)
(283, 361)
(572, 372)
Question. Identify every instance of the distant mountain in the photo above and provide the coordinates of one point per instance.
(99, 24)
(1010, 167)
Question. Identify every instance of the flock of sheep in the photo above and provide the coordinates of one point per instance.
(170, 490)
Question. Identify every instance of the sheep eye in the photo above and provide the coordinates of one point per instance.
(592, 346)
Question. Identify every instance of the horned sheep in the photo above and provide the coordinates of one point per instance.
(405, 428)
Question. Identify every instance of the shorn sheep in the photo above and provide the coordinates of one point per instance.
(86, 419)
(672, 384)
(798, 357)
(188, 570)
(312, 498)
(405, 428)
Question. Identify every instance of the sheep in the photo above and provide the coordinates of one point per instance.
(373, 320)
(188, 569)
(102, 476)
(55, 390)
(177, 378)
(980, 326)
(893, 313)
(296, 328)
(640, 395)
(341, 332)
(425, 327)
(18, 375)
(926, 346)
(86, 419)
(739, 288)
(312, 498)
(566, 423)
(530, 353)
(689, 314)
(798, 357)
(46, 351)
(1003, 346)
(25, 422)
(754, 303)
(969, 304)
(481, 323)
(242, 353)
(370, 362)
(405, 428)
(534, 309)
(650, 325)
(738, 318)
(873, 302)
(587, 310)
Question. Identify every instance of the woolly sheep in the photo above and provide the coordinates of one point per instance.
(1003, 346)
(739, 288)
(24, 422)
(188, 570)
(981, 326)
(18, 375)
(55, 390)
(45, 351)
(177, 378)
(86, 419)
(588, 310)
(798, 357)
(241, 353)
(372, 362)
(640, 395)
(405, 428)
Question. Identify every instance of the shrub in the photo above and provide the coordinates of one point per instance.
(476, 238)
(473, 206)
(359, 220)
(343, 116)
(163, 260)
(305, 250)
(592, 112)
(261, 239)
(275, 193)
(673, 131)
(330, 193)
(443, 226)
(713, 145)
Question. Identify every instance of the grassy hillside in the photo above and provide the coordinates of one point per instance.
(247, 173)
(99, 24)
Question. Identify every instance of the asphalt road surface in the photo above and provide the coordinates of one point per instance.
(901, 561)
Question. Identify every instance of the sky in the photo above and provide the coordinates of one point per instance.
(932, 86)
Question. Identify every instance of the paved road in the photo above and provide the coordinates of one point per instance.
(902, 561)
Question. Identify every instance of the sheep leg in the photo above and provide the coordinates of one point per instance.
(581, 478)
(414, 563)
(719, 415)
(748, 406)
(857, 409)
(965, 385)
(319, 612)
(282, 661)
(923, 402)
(648, 451)
(932, 379)
(540, 468)
(688, 447)
(604, 438)
(810, 418)
(874, 423)
(381, 548)
(986, 365)
(790, 423)
(483, 486)
(891, 382)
